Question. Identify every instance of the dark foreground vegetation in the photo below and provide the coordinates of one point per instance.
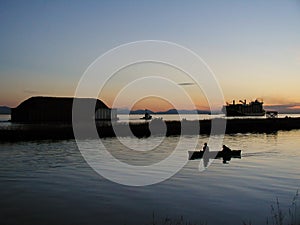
(57, 131)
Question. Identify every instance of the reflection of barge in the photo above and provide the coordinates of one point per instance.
(254, 108)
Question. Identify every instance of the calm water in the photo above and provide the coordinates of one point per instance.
(136, 118)
(50, 183)
(4, 117)
(167, 117)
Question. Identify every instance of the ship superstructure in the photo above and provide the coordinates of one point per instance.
(253, 108)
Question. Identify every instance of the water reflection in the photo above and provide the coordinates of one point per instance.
(43, 179)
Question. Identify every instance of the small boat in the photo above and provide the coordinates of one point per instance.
(147, 116)
(214, 154)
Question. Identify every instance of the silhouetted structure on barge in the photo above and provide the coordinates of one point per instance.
(254, 108)
(57, 109)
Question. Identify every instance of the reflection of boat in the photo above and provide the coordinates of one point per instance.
(254, 108)
(147, 116)
(214, 154)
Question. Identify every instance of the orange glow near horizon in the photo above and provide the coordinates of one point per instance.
(153, 103)
(156, 103)
(296, 107)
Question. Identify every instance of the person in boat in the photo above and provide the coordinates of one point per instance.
(226, 149)
(205, 147)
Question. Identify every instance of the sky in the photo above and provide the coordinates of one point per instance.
(252, 47)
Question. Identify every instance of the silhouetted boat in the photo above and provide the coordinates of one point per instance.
(147, 116)
(254, 108)
(215, 154)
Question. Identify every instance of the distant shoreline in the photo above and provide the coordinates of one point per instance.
(61, 131)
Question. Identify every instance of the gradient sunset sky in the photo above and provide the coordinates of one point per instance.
(253, 47)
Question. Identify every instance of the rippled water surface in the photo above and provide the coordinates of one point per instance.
(50, 183)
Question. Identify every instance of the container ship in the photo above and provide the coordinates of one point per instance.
(254, 108)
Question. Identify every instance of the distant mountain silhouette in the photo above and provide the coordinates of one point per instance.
(141, 111)
(183, 111)
(170, 111)
(5, 110)
(284, 109)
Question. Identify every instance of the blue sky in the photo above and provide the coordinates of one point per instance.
(253, 47)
